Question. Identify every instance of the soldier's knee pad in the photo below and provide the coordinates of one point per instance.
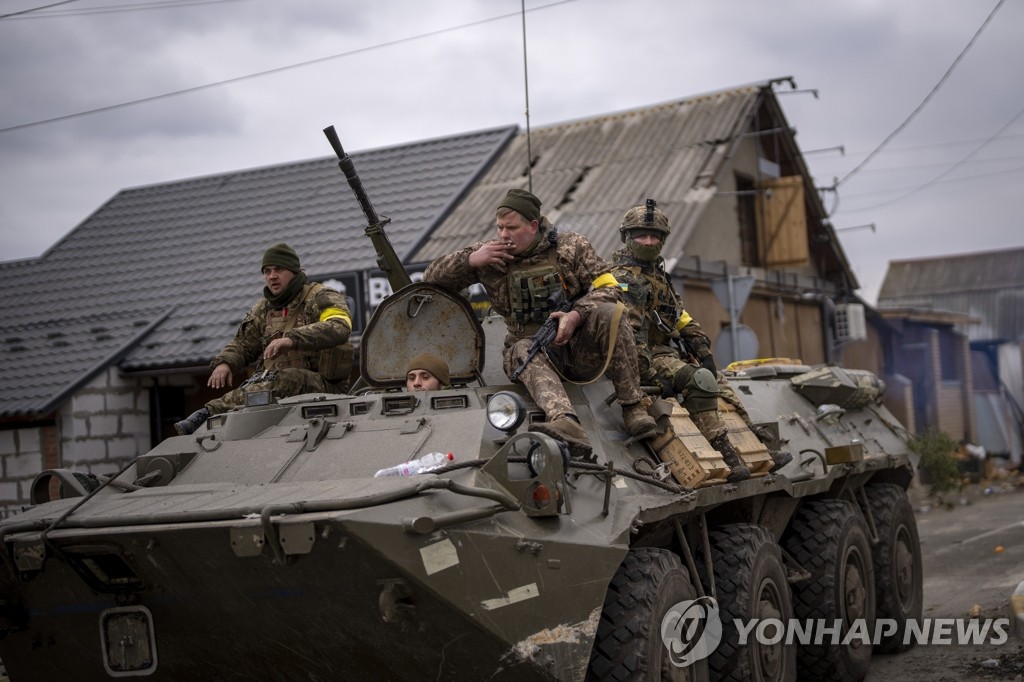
(698, 387)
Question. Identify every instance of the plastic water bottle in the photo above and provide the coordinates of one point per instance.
(428, 462)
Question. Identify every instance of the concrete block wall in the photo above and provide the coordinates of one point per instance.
(105, 424)
(99, 430)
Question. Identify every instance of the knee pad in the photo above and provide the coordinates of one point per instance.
(698, 387)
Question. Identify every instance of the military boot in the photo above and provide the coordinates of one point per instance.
(567, 429)
(192, 422)
(739, 471)
(638, 421)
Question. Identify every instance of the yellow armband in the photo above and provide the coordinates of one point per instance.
(332, 313)
(605, 280)
(684, 319)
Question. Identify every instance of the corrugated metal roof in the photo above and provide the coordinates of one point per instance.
(189, 252)
(986, 285)
(589, 172)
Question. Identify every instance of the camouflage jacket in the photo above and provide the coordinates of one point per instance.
(647, 289)
(319, 326)
(577, 262)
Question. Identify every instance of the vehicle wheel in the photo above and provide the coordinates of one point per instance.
(628, 645)
(750, 580)
(830, 539)
(897, 559)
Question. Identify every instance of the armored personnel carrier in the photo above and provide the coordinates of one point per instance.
(263, 547)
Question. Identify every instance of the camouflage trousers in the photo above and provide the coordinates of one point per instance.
(579, 360)
(662, 371)
(287, 382)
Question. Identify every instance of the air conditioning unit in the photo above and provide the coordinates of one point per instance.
(850, 322)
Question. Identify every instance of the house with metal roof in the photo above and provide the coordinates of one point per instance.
(110, 331)
(966, 310)
(751, 243)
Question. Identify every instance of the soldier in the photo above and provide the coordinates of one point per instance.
(527, 263)
(300, 332)
(426, 372)
(657, 317)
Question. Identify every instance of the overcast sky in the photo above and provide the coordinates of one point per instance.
(404, 70)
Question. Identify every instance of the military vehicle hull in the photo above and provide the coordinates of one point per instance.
(263, 547)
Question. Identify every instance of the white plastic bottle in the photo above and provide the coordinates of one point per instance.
(428, 462)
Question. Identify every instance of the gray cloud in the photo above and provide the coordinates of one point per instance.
(872, 64)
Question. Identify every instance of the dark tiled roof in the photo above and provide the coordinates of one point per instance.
(588, 172)
(186, 255)
(63, 354)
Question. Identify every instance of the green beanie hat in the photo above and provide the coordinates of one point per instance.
(523, 202)
(431, 363)
(281, 255)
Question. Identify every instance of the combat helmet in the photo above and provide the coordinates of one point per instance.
(646, 217)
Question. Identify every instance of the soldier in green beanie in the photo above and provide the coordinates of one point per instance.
(521, 269)
(299, 332)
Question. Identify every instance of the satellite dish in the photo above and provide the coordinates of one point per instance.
(745, 347)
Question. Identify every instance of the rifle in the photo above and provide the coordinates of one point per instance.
(542, 340)
(387, 259)
(686, 351)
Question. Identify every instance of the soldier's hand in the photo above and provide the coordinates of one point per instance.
(567, 323)
(277, 347)
(491, 253)
(708, 362)
(220, 376)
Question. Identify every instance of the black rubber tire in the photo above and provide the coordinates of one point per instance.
(830, 539)
(899, 583)
(628, 645)
(750, 580)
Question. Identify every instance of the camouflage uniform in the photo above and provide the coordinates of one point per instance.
(647, 290)
(658, 319)
(317, 321)
(584, 355)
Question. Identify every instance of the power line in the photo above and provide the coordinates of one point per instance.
(952, 168)
(279, 69)
(927, 98)
(947, 181)
(112, 9)
(35, 9)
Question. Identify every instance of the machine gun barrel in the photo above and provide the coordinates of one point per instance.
(387, 259)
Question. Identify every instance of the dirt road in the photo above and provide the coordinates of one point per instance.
(965, 570)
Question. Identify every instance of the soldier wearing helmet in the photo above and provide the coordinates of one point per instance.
(658, 319)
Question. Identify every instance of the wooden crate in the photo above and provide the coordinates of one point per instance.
(689, 456)
(751, 450)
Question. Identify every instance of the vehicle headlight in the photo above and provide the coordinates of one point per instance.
(506, 411)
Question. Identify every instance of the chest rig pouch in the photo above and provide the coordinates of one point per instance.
(662, 311)
(529, 289)
(279, 323)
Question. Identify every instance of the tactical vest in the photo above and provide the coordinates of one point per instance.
(529, 288)
(280, 322)
(659, 302)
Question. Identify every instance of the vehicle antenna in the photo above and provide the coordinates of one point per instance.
(526, 88)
